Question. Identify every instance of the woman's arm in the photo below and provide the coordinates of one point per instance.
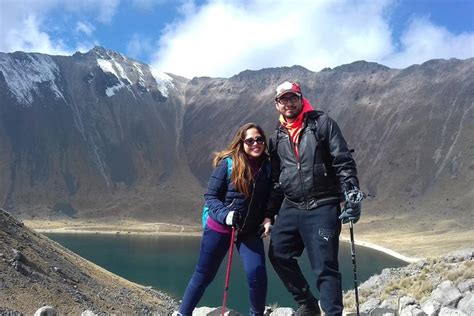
(216, 192)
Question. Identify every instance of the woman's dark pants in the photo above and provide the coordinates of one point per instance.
(214, 246)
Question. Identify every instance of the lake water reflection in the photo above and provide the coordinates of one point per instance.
(167, 263)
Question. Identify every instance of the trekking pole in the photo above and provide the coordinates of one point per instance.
(227, 274)
(354, 268)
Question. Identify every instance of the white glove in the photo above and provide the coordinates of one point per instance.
(229, 218)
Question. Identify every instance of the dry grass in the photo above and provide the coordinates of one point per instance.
(417, 285)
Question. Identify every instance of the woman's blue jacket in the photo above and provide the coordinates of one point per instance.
(222, 197)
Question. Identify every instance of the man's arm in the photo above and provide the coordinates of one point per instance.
(342, 160)
(276, 195)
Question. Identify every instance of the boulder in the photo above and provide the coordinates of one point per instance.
(431, 307)
(466, 285)
(283, 311)
(371, 304)
(406, 301)
(450, 311)
(447, 294)
(46, 311)
(390, 303)
(412, 310)
(466, 304)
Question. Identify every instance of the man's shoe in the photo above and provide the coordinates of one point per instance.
(311, 309)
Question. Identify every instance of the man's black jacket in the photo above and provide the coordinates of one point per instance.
(324, 169)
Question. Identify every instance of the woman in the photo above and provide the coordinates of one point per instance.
(237, 201)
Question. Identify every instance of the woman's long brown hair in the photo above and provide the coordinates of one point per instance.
(241, 173)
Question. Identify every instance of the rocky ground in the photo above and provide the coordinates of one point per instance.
(35, 271)
(435, 286)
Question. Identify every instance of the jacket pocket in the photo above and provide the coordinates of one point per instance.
(320, 177)
(284, 181)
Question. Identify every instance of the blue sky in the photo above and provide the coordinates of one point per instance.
(220, 38)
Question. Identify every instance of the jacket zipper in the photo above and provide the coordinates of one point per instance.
(251, 197)
(298, 166)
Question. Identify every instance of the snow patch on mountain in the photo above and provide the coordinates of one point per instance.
(110, 91)
(163, 82)
(106, 66)
(24, 75)
(130, 72)
(141, 76)
(121, 71)
(112, 66)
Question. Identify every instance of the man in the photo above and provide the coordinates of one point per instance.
(312, 169)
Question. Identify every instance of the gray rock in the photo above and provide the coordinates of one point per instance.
(283, 311)
(9, 312)
(463, 255)
(447, 294)
(46, 311)
(421, 264)
(405, 302)
(466, 304)
(369, 305)
(390, 303)
(17, 255)
(379, 311)
(449, 311)
(88, 313)
(412, 310)
(466, 285)
(431, 307)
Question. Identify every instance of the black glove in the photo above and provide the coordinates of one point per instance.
(352, 206)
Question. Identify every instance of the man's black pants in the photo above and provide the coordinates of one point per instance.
(318, 231)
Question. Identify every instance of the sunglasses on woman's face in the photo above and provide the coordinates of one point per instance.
(250, 141)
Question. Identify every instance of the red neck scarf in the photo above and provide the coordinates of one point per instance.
(294, 128)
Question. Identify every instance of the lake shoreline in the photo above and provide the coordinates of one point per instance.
(162, 229)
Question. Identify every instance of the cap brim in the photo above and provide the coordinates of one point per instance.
(285, 92)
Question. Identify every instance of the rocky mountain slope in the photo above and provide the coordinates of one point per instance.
(99, 137)
(36, 271)
(91, 135)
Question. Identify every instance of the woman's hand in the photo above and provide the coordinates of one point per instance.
(267, 225)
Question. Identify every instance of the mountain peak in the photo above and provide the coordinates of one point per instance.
(106, 53)
(361, 66)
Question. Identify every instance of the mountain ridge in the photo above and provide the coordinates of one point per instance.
(116, 144)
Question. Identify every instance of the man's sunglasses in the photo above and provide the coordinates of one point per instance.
(250, 141)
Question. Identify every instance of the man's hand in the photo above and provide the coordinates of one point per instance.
(352, 206)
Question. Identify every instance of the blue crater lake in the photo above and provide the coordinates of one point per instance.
(167, 263)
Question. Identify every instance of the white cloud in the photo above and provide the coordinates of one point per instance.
(103, 10)
(85, 27)
(222, 38)
(23, 23)
(423, 41)
(147, 5)
(139, 46)
(28, 37)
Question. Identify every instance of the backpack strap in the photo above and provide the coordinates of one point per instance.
(229, 167)
(316, 119)
(205, 209)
